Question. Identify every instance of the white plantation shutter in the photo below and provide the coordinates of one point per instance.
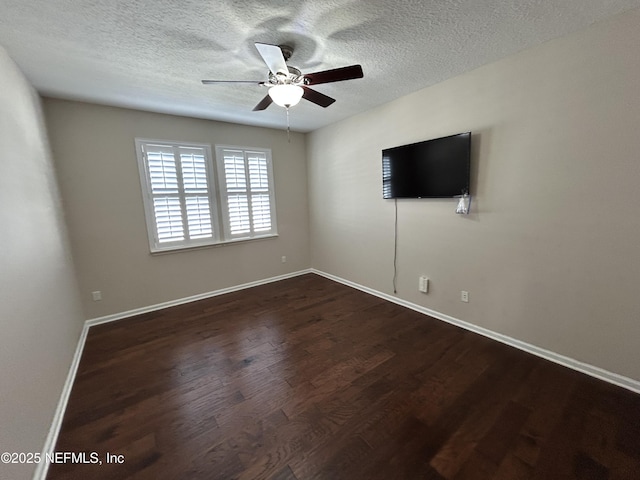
(259, 183)
(196, 191)
(248, 199)
(163, 177)
(168, 216)
(179, 205)
(184, 208)
(235, 176)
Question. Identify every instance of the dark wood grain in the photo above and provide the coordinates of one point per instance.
(310, 379)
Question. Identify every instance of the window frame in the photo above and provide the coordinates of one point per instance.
(216, 192)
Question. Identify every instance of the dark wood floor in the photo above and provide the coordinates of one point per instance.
(310, 379)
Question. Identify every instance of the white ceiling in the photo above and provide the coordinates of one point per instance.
(152, 54)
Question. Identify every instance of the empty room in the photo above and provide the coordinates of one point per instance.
(319, 240)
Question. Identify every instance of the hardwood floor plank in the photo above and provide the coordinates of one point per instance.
(310, 379)
(499, 439)
(285, 474)
(401, 456)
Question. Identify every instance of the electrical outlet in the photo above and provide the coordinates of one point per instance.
(464, 296)
(97, 295)
(284, 259)
(423, 284)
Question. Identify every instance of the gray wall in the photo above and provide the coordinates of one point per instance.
(40, 310)
(550, 253)
(94, 153)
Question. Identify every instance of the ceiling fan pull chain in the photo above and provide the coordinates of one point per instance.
(288, 128)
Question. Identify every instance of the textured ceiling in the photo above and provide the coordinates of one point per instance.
(152, 54)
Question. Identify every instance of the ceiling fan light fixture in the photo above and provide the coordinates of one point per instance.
(286, 95)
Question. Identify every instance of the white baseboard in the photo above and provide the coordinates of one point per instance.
(181, 301)
(597, 372)
(52, 437)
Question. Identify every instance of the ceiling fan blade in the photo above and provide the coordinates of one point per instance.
(264, 103)
(334, 75)
(272, 56)
(317, 97)
(211, 82)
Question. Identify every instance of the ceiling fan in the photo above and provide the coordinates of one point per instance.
(287, 85)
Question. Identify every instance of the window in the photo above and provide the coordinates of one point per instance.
(188, 202)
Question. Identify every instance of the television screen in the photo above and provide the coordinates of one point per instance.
(436, 168)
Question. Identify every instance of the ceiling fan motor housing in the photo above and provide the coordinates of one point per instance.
(294, 77)
(287, 51)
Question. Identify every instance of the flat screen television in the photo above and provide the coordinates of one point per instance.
(437, 168)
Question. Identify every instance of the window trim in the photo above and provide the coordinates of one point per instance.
(216, 185)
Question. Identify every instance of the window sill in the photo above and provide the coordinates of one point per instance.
(182, 248)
